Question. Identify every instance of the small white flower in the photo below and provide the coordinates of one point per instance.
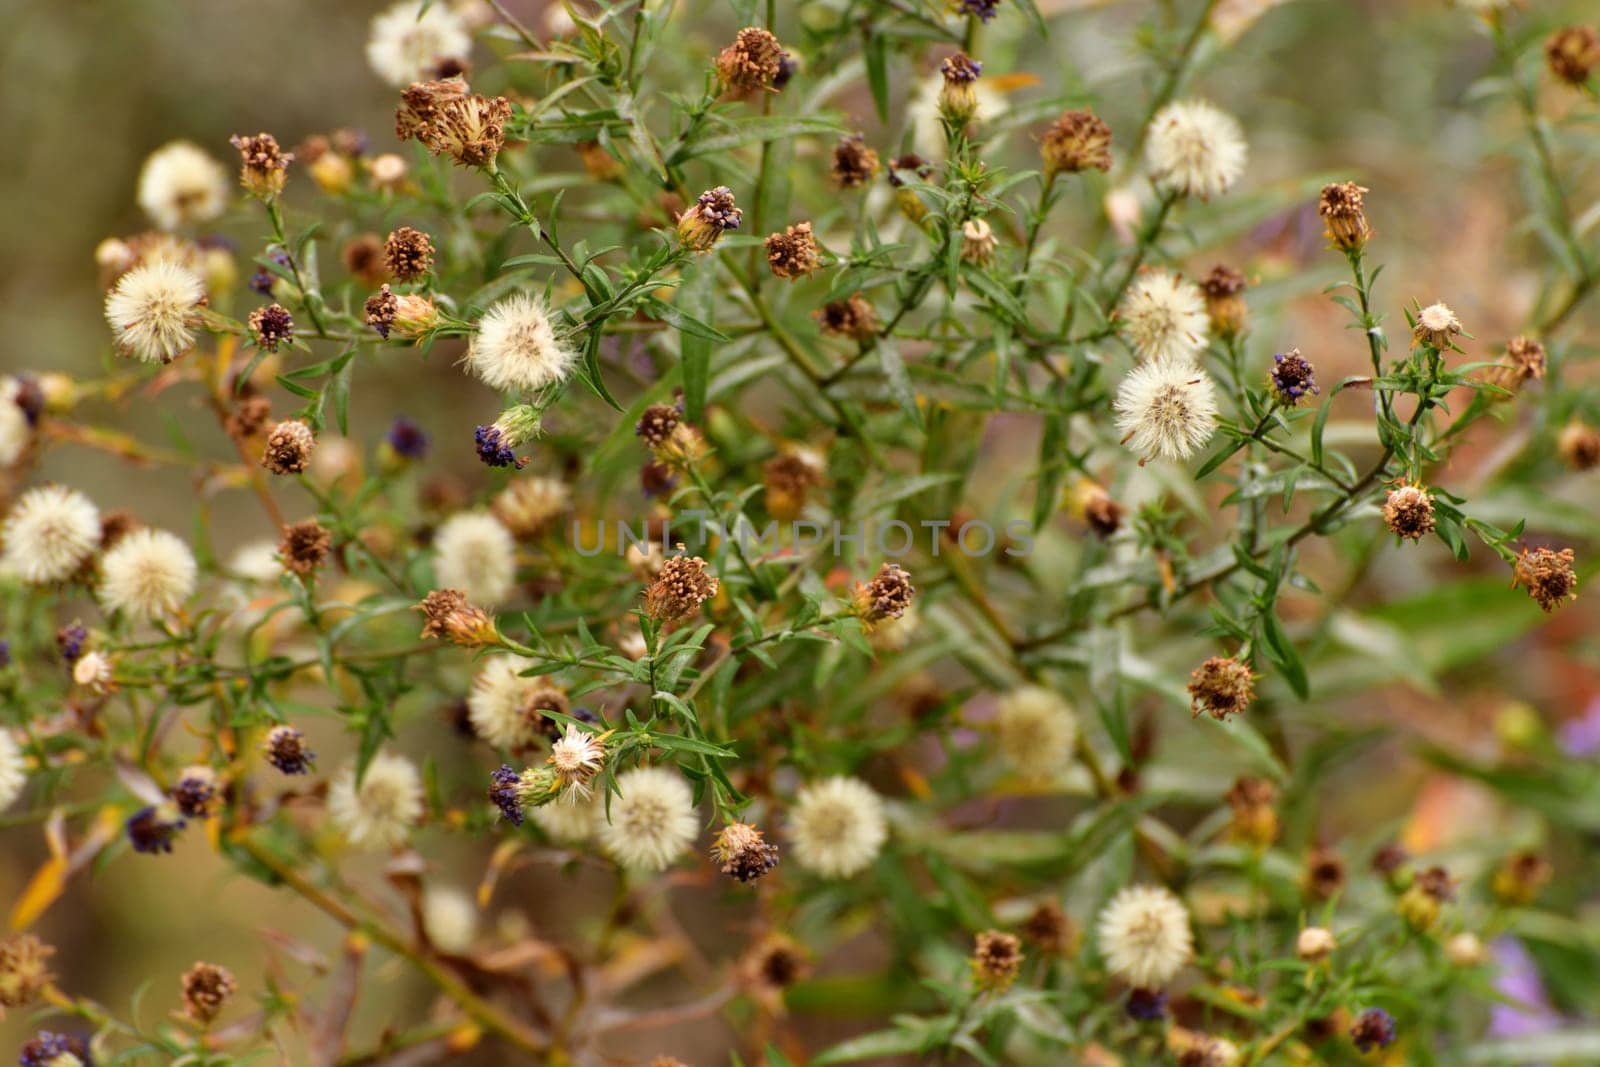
(475, 553)
(1164, 317)
(500, 705)
(147, 575)
(150, 310)
(516, 347)
(577, 757)
(380, 812)
(571, 824)
(1144, 935)
(16, 432)
(837, 826)
(451, 918)
(180, 185)
(94, 672)
(652, 820)
(406, 45)
(13, 770)
(1036, 729)
(1166, 409)
(1194, 149)
(49, 534)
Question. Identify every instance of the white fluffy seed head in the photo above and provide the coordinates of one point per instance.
(49, 534)
(1144, 935)
(403, 48)
(451, 918)
(516, 347)
(13, 770)
(500, 702)
(16, 432)
(1166, 409)
(652, 820)
(475, 553)
(571, 824)
(837, 827)
(150, 310)
(147, 575)
(1195, 149)
(1035, 730)
(180, 185)
(1164, 317)
(380, 812)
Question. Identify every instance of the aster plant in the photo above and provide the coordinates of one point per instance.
(888, 555)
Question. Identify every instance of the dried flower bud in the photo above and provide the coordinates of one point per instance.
(153, 829)
(1342, 212)
(886, 597)
(854, 163)
(1315, 944)
(1519, 878)
(504, 793)
(1292, 377)
(600, 165)
(854, 317)
(1547, 575)
(304, 546)
(285, 748)
(773, 965)
(408, 254)
(1573, 52)
(1051, 930)
(958, 101)
(1373, 1028)
(789, 478)
(1077, 141)
(527, 506)
(1408, 512)
(656, 424)
(1465, 950)
(742, 854)
(263, 165)
(683, 448)
(1523, 362)
(24, 971)
(982, 10)
(753, 61)
(272, 326)
(1324, 873)
(713, 214)
(1437, 327)
(206, 989)
(70, 641)
(1579, 446)
(195, 791)
(679, 589)
(793, 253)
(1225, 306)
(289, 447)
(1089, 502)
(404, 315)
(1220, 687)
(996, 960)
(446, 118)
(1390, 860)
(1146, 1005)
(1255, 812)
(449, 615)
(1420, 904)
(363, 257)
(977, 242)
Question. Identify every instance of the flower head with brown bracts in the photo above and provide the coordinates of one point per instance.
(1408, 512)
(679, 589)
(1077, 141)
(1344, 214)
(1221, 687)
(996, 960)
(449, 615)
(752, 62)
(743, 853)
(855, 163)
(885, 597)
(408, 253)
(713, 214)
(793, 253)
(263, 166)
(1547, 575)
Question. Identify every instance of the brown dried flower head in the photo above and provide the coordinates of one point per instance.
(24, 970)
(408, 254)
(527, 506)
(363, 258)
(263, 166)
(1344, 214)
(656, 424)
(789, 478)
(679, 589)
(1220, 687)
(1547, 575)
(773, 965)
(402, 315)
(249, 417)
(854, 317)
(449, 615)
(289, 446)
(1098, 509)
(713, 213)
(978, 242)
(1408, 512)
(206, 989)
(958, 101)
(751, 62)
(1224, 292)
(1579, 446)
(886, 597)
(1077, 141)
(600, 164)
(1519, 878)
(793, 253)
(854, 163)
(1523, 362)
(996, 960)
(1324, 874)
(1437, 327)
(1049, 929)
(742, 854)
(1573, 52)
(272, 326)
(1255, 812)
(447, 118)
(304, 546)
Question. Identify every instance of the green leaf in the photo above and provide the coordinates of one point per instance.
(894, 373)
